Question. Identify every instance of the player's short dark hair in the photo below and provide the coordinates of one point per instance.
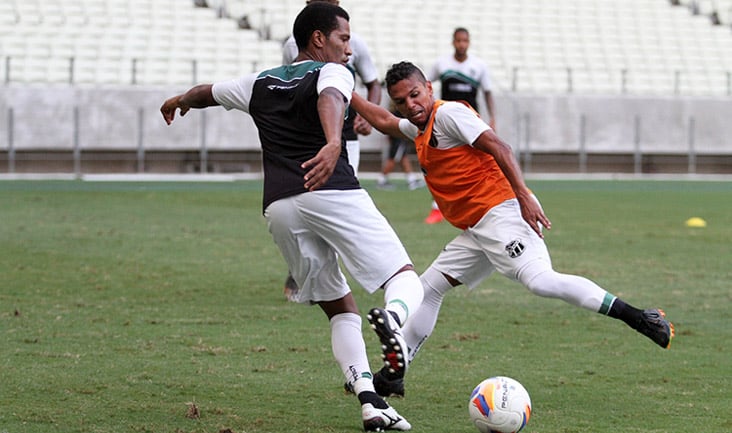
(403, 71)
(315, 16)
(460, 30)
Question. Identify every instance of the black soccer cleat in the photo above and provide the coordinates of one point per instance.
(653, 324)
(291, 289)
(388, 388)
(394, 348)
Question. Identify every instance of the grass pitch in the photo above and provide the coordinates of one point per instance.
(157, 307)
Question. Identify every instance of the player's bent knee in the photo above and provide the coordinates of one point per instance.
(541, 280)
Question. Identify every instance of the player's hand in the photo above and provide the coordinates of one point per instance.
(361, 126)
(321, 167)
(533, 214)
(170, 106)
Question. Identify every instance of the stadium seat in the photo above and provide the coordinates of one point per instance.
(537, 41)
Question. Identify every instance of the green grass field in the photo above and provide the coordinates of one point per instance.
(123, 303)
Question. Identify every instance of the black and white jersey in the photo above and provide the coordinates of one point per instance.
(283, 103)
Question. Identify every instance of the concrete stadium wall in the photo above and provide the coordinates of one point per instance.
(123, 118)
(620, 124)
(114, 119)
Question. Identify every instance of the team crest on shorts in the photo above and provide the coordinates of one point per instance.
(515, 248)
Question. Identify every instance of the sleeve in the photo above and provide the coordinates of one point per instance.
(234, 93)
(434, 73)
(363, 63)
(289, 51)
(485, 81)
(337, 76)
(408, 128)
(460, 123)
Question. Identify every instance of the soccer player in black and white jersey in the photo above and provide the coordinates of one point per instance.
(362, 65)
(315, 208)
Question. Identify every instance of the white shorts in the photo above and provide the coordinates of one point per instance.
(314, 229)
(501, 241)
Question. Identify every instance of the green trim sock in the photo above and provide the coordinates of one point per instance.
(398, 310)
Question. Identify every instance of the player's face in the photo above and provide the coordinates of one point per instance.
(461, 42)
(414, 99)
(337, 45)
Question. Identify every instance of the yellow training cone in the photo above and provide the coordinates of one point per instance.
(696, 222)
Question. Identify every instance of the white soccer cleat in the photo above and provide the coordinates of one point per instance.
(378, 420)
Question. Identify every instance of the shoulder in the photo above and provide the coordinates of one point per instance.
(243, 83)
(357, 42)
(361, 60)
(450, 108)
(234, 93)
(453, 115)
(289, 50)
(478, 61)
(408, 128)
(290, 41)
(337, 76)
(335, 70)
(443, 60)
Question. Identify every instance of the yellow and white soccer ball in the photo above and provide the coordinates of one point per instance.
(500, 405)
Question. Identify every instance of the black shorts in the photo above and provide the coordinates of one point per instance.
(398, 148)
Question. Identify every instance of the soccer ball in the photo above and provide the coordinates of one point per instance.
(499, 405)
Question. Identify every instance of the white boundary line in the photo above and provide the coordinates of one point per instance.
(232, 177)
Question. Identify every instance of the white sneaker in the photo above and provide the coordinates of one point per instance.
(386, 185)
(416, 184)
(382, 419)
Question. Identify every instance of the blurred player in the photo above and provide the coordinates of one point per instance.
(475, 179)
(461, 76)
(316, 211)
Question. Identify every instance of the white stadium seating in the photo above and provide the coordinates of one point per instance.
(534, 46)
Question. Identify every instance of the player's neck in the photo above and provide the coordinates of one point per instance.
(310, 54)
(460, 57)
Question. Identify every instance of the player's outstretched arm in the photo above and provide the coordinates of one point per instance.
(360, 124)
(199, 96)
(378, 116)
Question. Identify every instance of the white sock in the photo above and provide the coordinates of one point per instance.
(544, 281)
(403, 294)
(411, 177)
(349, 350)
(423, 321)
(363, 384)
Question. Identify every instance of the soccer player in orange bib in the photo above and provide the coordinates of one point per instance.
(477, 183)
